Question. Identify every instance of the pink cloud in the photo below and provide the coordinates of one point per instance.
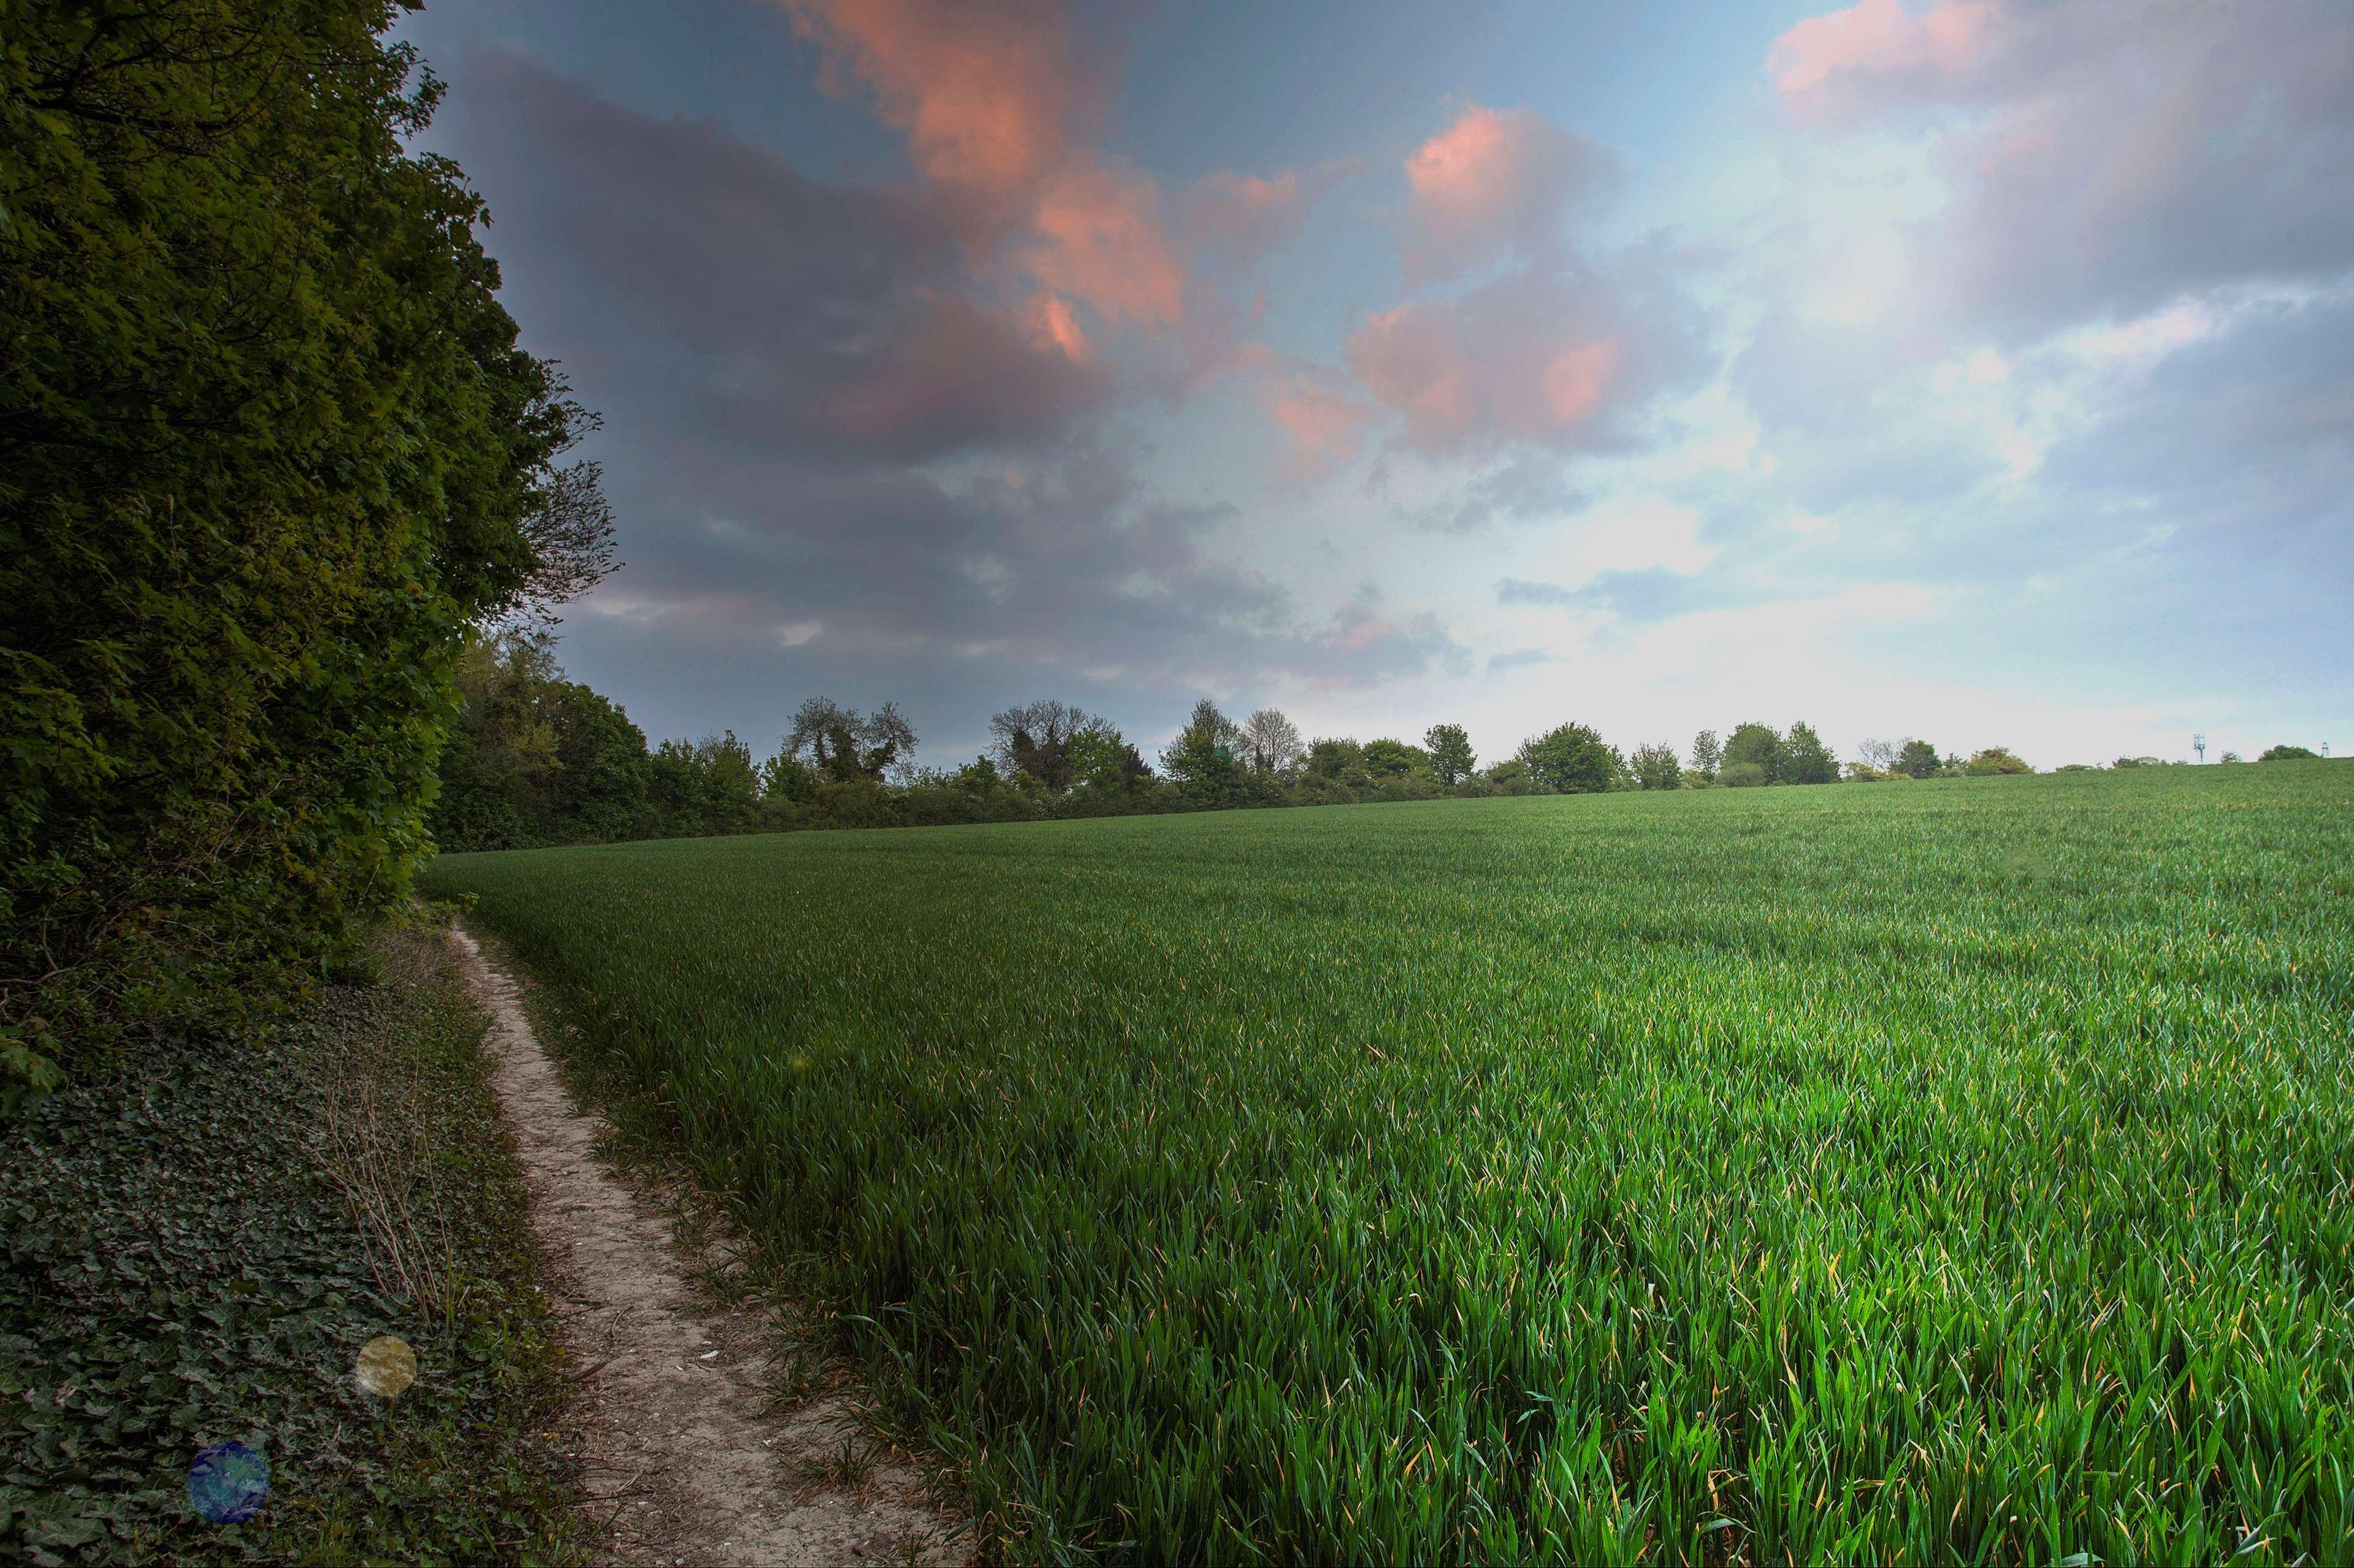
(1493, 178)
(1320, 427)
(1245, 214)
(1100, 240)
(994, 103)
(1822, 61)
(982, 92)
(1052, 322)
(1531, 358)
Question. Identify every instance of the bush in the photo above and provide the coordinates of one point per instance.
(1742, 776)
(2288, 754)
(1996, 760)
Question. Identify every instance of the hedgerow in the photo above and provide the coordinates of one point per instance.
(267, 445)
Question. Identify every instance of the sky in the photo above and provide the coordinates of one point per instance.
(1980, 370)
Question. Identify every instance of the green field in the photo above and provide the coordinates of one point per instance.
(1956, 1171)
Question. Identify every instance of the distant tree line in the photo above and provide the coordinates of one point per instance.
(536, 760)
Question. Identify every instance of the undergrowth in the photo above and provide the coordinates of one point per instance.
(200, 1238)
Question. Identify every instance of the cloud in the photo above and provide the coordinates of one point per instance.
(1321, 426)
(1100, 239)
(997, 104)
(1560, 358)
(1518, 590)
(983, 91)
(1242, 216)
(1845, 58)
(779, 313)
(1532, 487)
(2100, 162)
(1518, 659)
(1494, 180)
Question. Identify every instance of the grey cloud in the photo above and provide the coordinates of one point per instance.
(2108, 157)
(779, 313)
(1519, 658)
(1520, 590)
(774, 356)
(1529, 488)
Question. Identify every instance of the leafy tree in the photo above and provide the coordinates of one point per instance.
(1103, 761)
(843, 746)
(532, 758)
(1994, 760)
(1035, 737)
(1387, 759)
(1341, 760)
(1450, 752)
(1572, 759)
(1510, 776)
(267, 447)
(2286, 753)
(1806, 759)
(1202, 758)
(1707, 755)
(1656, 768)
(1756, 746)
(1271, 742)
(1742, 776)
(1918, 759)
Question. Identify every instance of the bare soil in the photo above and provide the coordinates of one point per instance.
(699, 1433)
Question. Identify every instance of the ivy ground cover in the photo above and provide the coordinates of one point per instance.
(1954, 1171)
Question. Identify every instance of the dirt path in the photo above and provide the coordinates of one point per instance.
(685, 1455)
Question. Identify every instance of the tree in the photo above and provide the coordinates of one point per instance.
(532, 758)
(1655, 767)
(844, 747)
(1707, 755)
(1386, 759)
(1102, 760)
(1272, 742)
(1035, 739)
(1756, 746)
(2286, 753)
(1450, 752)
(570, 529)
(1996, 760)
(1339, 760)
(1880, 755)
(1202, 758)
(1572, 759)
(270, 446)
(1510, 776)
(1918, 759)
(1806, 759)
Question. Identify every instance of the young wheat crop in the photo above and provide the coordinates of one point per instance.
(1945, 1172)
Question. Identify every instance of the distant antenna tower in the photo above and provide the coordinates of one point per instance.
(2199, 744)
